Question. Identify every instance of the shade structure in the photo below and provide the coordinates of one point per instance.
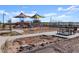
(21, 15)
(36, 21)
(37, 16)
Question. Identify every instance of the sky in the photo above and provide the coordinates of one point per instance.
(52, 13)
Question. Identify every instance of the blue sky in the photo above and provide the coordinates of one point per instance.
(66, 13)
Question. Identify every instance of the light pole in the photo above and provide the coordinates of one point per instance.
(10, 27)
(3, 19)
(50, 23)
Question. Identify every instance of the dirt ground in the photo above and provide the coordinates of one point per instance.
(42, 44)
(45, 44)
(38, 29)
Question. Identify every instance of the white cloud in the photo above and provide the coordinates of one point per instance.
(57, 17)
(29, 14)
(15, 13)
(60, 9)
(64, 17)
(61, 16)
(70, 9)
(12, 14)
(68, 12)
(3, 11)
(14, 19)
(50, 14)
(34, 12)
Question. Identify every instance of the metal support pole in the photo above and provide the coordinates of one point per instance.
(10, 27)
(3, 21)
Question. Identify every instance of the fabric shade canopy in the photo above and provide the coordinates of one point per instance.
(37, 16)
(21, 15)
